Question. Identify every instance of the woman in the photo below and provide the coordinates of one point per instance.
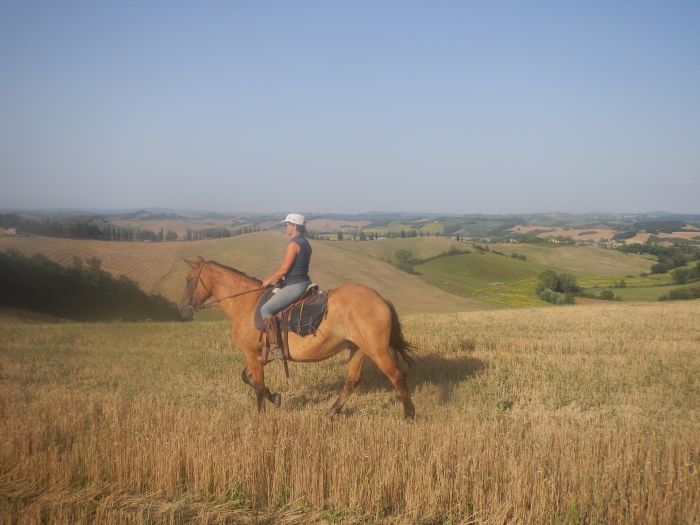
(295, 270)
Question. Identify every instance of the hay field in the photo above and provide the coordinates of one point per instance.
(565, 415)
(158, 267)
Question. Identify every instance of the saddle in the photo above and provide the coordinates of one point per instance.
(302, 317)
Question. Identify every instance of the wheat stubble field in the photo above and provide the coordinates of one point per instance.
(565, 415)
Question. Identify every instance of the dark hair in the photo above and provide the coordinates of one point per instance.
(300, 228)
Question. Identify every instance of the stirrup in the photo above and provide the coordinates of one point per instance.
(274, 352)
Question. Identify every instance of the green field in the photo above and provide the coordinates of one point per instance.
(581, 261)
(507, 281)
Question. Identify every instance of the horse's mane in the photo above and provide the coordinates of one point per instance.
(243, 274)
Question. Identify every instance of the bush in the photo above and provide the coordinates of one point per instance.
(562, 283)
(405, 258)
(659, 268)
(681, 275)
(553, 297)
(607, 295)
(681, 295)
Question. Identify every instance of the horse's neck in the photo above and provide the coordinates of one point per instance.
(231, 285)
(223, 282)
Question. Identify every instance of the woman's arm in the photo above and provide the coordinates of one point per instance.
(291, 254)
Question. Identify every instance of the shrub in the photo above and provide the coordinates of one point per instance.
(562, 283)
(681, 275)
(607, 295)
(659, 268)
(553, 297)
(405, 258)
(681, 295)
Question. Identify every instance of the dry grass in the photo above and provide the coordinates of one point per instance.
(565, 416)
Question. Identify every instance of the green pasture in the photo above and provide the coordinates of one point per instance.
(580, 261)
(486, 276)
(506, 281)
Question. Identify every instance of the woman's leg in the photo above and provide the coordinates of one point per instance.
(282, 299)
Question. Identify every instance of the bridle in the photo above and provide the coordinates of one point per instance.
(191, 309)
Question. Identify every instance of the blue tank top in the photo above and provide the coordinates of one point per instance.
(299, 272)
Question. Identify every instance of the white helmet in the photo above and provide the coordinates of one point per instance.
(295, 218)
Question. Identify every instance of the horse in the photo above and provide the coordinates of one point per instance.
(357, 319)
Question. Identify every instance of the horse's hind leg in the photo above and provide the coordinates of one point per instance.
(352, 380)
(388, 366)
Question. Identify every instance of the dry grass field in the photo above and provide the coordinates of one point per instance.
(599, 234)
(571, 415)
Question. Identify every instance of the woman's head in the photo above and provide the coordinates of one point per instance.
(294, 222)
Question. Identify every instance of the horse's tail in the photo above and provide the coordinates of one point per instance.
(396, 339)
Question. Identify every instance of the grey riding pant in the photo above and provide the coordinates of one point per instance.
(283, 298)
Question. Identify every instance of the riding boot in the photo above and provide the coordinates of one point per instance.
(274, 342)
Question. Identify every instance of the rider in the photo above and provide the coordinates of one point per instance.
(295, 271)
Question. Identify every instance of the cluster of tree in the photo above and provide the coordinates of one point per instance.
(361, 235)
(621, 236)
(669, 257)
(220, 233)
(608, 295)
(686, 275)
(557, 288)
(518, 256)
(83, 229)
(403, 234)
(681, 295)
(663, 226)
(405, 260)
(82, 292)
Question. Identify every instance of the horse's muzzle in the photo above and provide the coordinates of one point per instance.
(187, 312)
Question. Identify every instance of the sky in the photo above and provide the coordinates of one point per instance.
(349, 107)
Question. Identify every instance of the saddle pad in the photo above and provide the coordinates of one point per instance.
(302, 317)
(305, 316)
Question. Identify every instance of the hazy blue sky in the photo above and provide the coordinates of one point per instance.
(495, 107)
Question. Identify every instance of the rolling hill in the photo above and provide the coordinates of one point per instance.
(158, 267)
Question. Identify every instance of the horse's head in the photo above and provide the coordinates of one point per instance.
(196, 292)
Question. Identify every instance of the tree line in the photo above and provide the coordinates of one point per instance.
(90, 229)
(82, 291)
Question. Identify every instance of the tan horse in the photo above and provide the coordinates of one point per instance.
(358, 319)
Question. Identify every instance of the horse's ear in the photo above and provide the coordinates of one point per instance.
(191, 264)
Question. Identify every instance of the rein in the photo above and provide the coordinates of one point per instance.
(216, 302)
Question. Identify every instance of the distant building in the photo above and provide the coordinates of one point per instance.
(11, 231)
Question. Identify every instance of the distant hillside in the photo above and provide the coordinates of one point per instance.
(158, 267)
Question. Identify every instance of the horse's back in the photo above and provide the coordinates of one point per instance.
(359, 304)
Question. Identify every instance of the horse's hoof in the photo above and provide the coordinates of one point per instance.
(276, 399)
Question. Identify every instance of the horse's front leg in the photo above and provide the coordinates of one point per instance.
(253, 375)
